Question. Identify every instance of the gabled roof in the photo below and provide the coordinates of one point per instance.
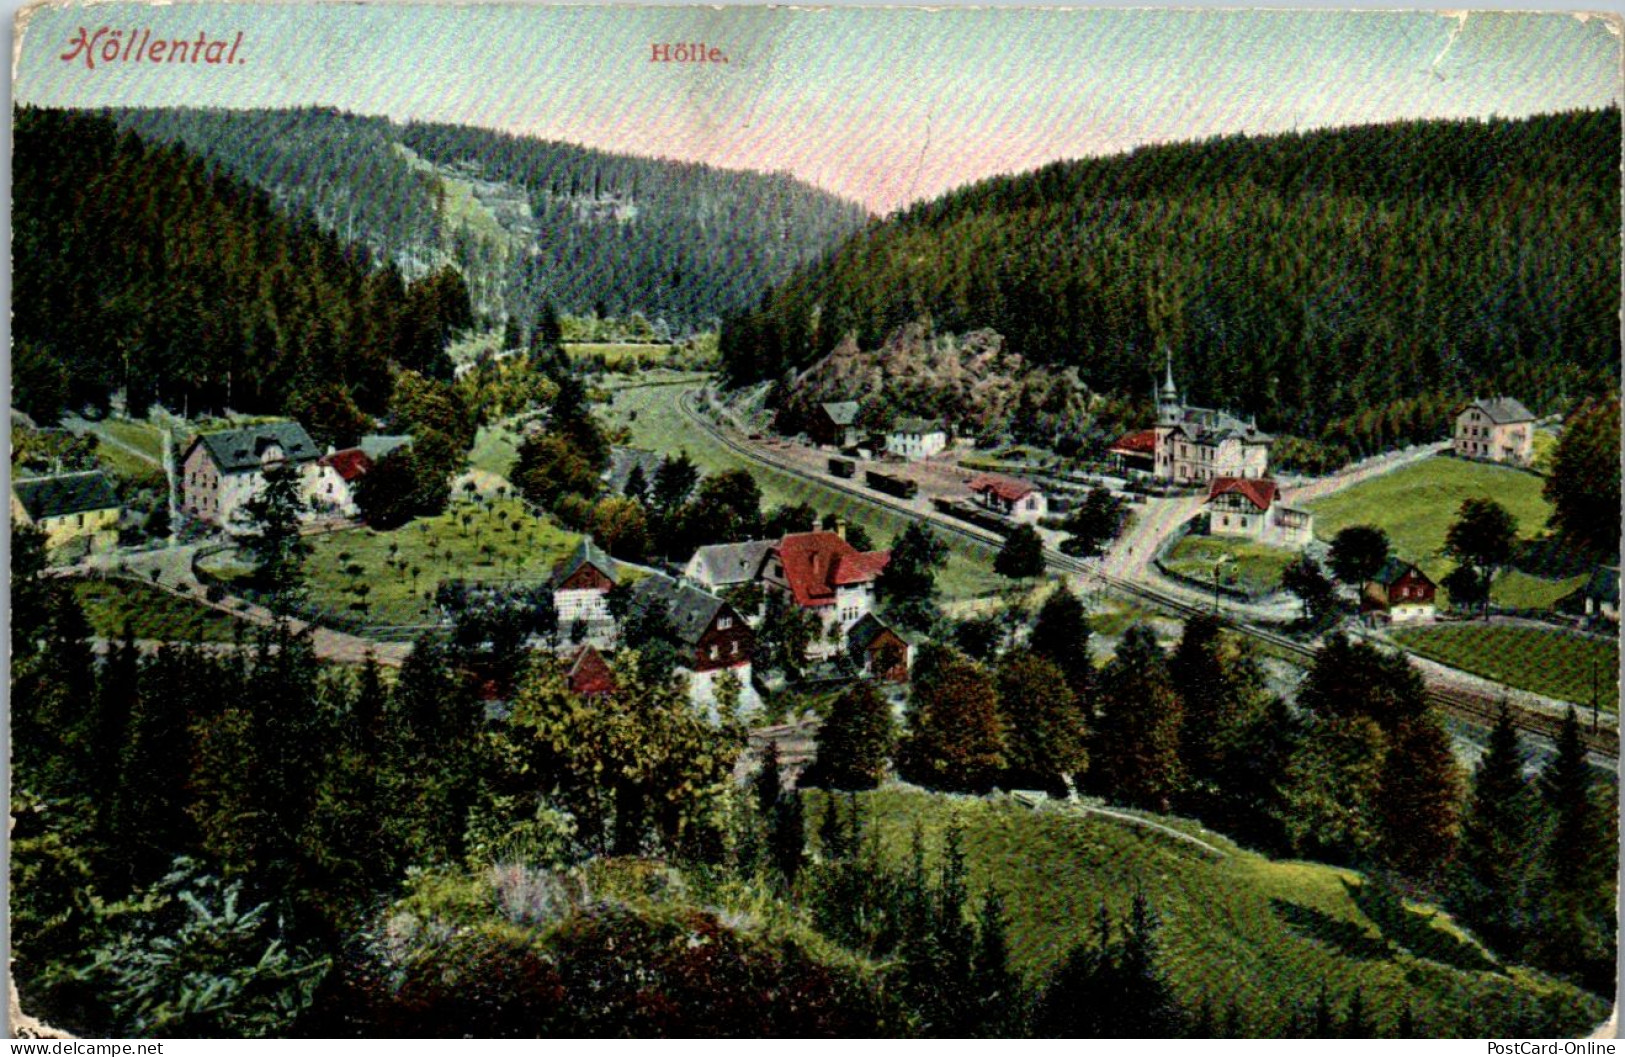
(1143, 442)
(726, 564)
(1006, 488)
(349, 464)
(1206, 426)
(589, 674)
(841, 412)
(1501, 410)
(67, 493)
(235, 450)
(1394, 569)
(586, 553)
(377, 445)
(815, 563)
(1260, 491)
(917, 425)
(689, 609)
(869, 627)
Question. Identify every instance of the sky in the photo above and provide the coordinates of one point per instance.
(884, 106)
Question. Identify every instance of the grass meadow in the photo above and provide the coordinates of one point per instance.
(116, 608)
(1253, 567)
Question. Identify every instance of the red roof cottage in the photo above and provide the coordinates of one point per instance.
(823, 573)
(1399, 593)
(1015, 499)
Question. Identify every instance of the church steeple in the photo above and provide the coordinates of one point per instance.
(1168, 406)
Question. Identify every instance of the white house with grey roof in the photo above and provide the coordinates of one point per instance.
(223, 470)
(916, 438)
(1499, 430)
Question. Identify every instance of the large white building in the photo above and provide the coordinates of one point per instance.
(916, 438)
(1196, 444)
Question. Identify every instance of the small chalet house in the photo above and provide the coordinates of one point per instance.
(1399, 593)
(78, 512)
(581, 585)
(222, 471)
(916, 438)
(827, 576)
(710, 637)
(1019, 501)
(879, 652)
(1500, 430)
(834, 424)
(336, 475)
(1252, 508)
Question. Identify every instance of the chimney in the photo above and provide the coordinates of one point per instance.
(840, 527)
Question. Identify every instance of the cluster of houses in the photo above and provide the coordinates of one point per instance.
(834, 425)
(223, 470)
(819, 573)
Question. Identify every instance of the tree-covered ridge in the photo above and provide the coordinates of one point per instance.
(678, 242)
(142, 267)
(1305, 278)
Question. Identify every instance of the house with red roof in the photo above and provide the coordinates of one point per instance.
(589, 674)
(824, 574)
(1020, 501)
(1251, 507)
(333, 490)
(1135, 451)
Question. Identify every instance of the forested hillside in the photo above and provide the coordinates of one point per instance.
(139, 267)
(525, 219)
(1316, 280)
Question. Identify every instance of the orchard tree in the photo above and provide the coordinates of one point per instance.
(1357, 553)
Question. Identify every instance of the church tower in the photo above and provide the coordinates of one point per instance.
(1168, 406)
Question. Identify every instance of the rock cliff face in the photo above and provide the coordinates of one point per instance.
(969, 382)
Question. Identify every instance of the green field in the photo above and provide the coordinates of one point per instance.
(1254, 568)
(1522, 591)
(1415, 505)
(400, 584)
(651, 415)
(149, 439)
(1235, 925)
(620, 352)
(119, 607)
(1545, 661)
(495, 449)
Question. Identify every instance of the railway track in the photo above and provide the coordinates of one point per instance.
(1470, 706)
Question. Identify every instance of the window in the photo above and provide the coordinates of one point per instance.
(733, 647)
(724, 623)
(714, 652)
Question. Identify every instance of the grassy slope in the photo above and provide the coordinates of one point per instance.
(660, 426)
(115, 607)
(1545, 661)
(495, 450)
(616, 352)
(1416, 504)
(395, 596)
(1265, 933)
(1256, 566)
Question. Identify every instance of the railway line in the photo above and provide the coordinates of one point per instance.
(1473, 707)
